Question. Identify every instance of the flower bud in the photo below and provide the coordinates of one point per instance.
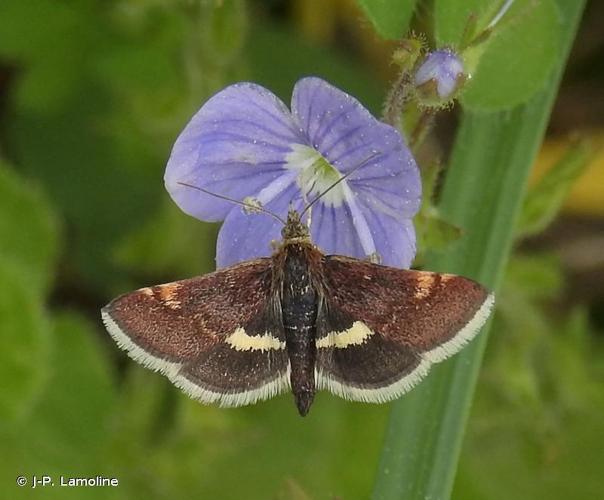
(439, 77)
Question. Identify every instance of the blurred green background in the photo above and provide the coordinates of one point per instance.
(92, 96)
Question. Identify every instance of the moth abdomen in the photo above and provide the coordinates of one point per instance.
(299, 309)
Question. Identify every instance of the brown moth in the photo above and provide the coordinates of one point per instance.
(299, 320)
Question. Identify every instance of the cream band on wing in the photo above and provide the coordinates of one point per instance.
(358, 333)
(426, 282)
(241, 341)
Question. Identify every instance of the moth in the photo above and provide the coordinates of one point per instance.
(299, 320)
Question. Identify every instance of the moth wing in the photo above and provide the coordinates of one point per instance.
(381, 328)
(218, 337)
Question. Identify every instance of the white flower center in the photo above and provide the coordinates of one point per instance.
(315, 175)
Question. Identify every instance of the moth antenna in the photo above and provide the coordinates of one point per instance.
(348, 174)
(481, 36)
(310, 189)
(499, 14)
(309, 218)
(237, 202)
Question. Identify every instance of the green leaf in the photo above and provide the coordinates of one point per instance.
(433, 231)
(96, 108)
(227, 29)
(25, 344)
(451, 17)
(508, 463)
(534, 277)
(258, 439)
(279, 72)
(389, 17)
(28, 34)
(342, 436)
(56, 134)
(557, 441)
(28, 230)
(67, 431)
(173, 244)
(521, 330)
(482, 193)
(544, 200)
(79, 397)
(292, 491)
(523, 46)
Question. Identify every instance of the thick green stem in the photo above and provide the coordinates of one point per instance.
(483, 193)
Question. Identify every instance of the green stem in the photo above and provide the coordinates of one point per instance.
(483, 192)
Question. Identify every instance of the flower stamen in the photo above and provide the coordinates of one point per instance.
(315, 175)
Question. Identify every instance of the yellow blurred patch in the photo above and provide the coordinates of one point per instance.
(587, 195)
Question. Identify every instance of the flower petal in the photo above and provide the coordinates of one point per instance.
(394, 239)
(246, 236)
(234, 146)
(386, 197)
(347, 135)
(334, 232)
(356, 230)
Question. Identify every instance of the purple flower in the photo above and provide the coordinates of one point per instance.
(245, 144)
(443, 71)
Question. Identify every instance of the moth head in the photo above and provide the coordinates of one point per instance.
(294, 227)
